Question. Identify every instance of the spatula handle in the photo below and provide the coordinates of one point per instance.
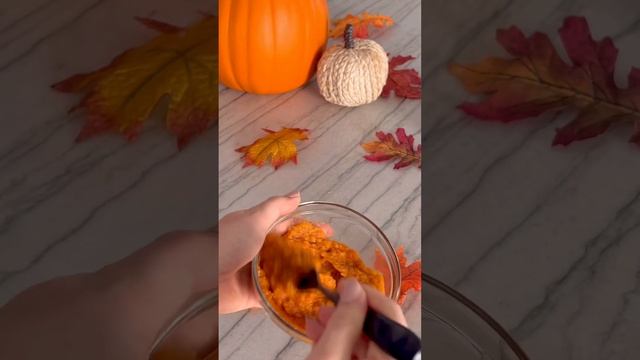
(390, 336)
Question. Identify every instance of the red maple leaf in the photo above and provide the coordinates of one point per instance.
(405, 83)
(536, 80)
(388, 148)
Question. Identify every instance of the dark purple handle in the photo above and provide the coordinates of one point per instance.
(393, 338)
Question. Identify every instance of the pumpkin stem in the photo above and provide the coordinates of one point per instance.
(348, 37)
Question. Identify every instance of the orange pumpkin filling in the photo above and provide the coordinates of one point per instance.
(331, 259)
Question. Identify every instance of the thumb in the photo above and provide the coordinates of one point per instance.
(344, 328)
(267, 212)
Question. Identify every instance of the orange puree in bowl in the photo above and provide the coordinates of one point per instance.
(331, 259)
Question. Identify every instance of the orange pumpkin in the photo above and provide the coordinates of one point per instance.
(270, 46)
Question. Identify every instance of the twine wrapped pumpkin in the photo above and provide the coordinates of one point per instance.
(353, 73)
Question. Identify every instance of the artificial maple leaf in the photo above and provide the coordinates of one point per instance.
(360, 24)
(411, 275)
(536, 80)
(405, 83)
(388, 148)
(278, 147)
(180, 63)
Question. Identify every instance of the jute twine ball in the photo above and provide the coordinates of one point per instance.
(353, 73)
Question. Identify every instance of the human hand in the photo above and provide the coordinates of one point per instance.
(337, 334)
(117, 312)
(242, 234)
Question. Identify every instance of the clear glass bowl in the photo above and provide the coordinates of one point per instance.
(349, 227)
(457, 329)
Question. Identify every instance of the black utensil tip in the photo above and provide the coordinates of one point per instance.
(308, 281)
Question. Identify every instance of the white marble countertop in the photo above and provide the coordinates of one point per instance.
(66, 207)
(330, 168)
(547, 240)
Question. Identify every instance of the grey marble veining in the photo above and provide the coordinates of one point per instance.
(66, 207)
(330, 168)
(546, 239)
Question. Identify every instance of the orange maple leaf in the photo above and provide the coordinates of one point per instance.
(277, 147)
(180, 63)
(360, 24)
(411, 275)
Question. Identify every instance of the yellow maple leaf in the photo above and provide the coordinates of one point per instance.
(180, 63)
(360, 24)
(277, 146)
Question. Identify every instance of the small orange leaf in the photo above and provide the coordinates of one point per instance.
(411, 275)
(277, 147)
(180, 64)
(360, 24)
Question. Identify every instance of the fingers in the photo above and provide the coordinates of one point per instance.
(325, 314)
(362, 348)
(282, 227)
(344, 328)
(266, 213)
(313, 329)
(327, 228)
(242, 233)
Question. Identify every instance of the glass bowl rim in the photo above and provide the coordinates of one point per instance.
(478, 311)
(392, 258)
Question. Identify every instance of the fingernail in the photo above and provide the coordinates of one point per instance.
(350, 290)
(294, 194)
